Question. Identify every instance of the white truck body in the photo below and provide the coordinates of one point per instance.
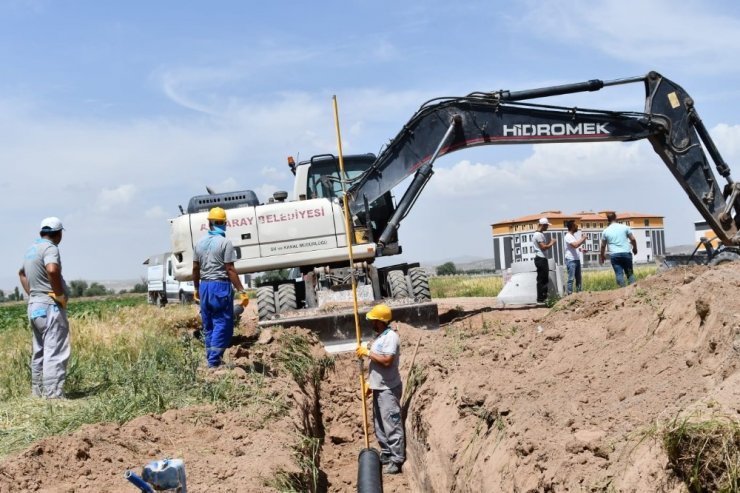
(271, 236)
(162, 286)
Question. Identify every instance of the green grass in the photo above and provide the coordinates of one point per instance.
(126, 361)
(465, 286)
(705, 454)
(604, 280)
(461, 286)
(13, 315)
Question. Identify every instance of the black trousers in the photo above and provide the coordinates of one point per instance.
(542, 278)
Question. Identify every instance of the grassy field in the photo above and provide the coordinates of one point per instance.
(468, 286)
(128, 359)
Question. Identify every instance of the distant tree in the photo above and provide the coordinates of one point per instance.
(2, 295)
(96, 289)
(446, 269)
(275, 275)
(15, 295)
(140, 287)
(77, 288)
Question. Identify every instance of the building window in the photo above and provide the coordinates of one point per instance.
(647, 222)
(601, 225)
(518, 251)
(647, 233)
(647, 244)
(516, 239)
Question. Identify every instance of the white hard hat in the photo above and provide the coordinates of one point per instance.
(543, 220)
(51, 225)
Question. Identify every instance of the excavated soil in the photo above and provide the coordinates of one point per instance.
(570, 398)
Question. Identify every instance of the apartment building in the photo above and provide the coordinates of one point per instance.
(512, 238)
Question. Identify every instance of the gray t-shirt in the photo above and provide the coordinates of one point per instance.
(40, 254)
(212, 252)
(382, 377)
(537, 238)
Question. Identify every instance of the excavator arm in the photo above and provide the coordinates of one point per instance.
(444, 125)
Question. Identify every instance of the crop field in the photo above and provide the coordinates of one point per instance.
(489, 286)
(127, 360)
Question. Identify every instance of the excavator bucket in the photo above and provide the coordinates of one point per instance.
(335, 328)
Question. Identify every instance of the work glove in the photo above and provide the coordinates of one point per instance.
(366, 389)
(60, 300)
(362, 351)
(196, 296)
(243, 298)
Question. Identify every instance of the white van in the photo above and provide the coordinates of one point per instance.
(161, 283)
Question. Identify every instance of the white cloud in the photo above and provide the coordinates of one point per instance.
(273, 173)
(156, 212)
(556, 165)
(635, 31)
(385, 51)
(110, 198)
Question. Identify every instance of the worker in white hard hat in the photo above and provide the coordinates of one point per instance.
(41, 278)
(384, 380)
(541, 245)
(213, 276)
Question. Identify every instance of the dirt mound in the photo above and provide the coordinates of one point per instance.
(572, 398)
(222, 450)
(569, 400)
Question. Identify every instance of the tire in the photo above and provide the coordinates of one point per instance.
(161, 300)
(724, 257)
(286, 298)
(397, 286)
(419, 284)
(266, 308)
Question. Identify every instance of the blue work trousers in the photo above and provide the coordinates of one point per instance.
(574, 274)
(622, 265)
(217, 315)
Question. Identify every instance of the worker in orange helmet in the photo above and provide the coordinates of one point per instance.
(213, 276)
(384, 379)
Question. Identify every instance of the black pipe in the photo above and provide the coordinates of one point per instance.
(369, 474)
(722, 168)
(591, 85)
(404, 205)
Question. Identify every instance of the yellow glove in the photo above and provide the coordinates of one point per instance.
(196, 296)
(362, 351)
(60, 300)
(243, 298)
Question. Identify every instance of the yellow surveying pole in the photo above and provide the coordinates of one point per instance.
(352, 268)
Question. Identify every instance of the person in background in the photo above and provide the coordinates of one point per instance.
(213, 276)
(541, 245)
(618, 238)
(384, 380)
(42, 280)
(574, 238)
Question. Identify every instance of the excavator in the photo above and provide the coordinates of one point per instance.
(308, 232)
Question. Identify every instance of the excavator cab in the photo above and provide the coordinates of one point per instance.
(323, 181)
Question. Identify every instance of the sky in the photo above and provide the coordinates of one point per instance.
(114, 113)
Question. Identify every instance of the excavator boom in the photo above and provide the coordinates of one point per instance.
(444, 125)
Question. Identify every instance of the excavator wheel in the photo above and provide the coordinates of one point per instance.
(724, 257)
(286, 298)
(419, 284)
(397, 285)
(266, 308)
